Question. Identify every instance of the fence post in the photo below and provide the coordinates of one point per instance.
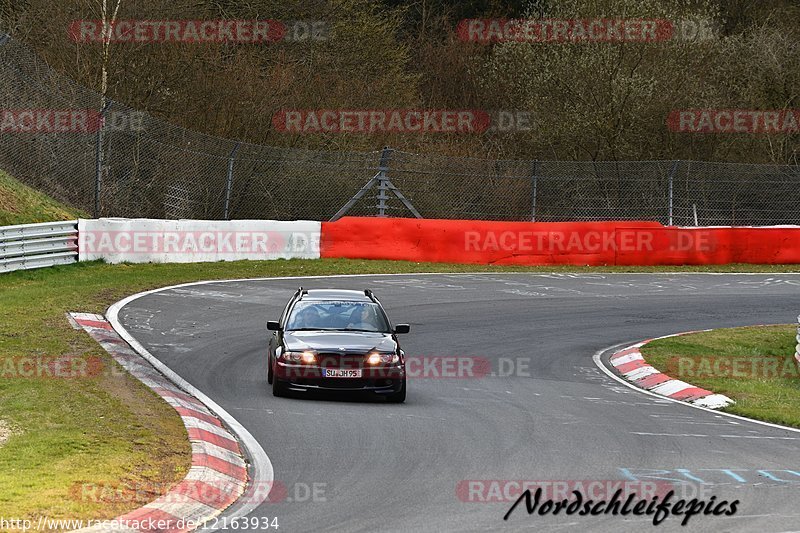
(671, 179)
(534, 183)
(383, 177)
(229, 183)
(98, 171)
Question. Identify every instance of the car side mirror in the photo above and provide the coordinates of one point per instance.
(273, 326)
(402, 328)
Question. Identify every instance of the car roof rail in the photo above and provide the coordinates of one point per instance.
(300, 291)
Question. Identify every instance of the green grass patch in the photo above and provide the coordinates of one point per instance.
(69, 434)
(754, 366)
(20, 204)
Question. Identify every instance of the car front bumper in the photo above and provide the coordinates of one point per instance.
(379, 380)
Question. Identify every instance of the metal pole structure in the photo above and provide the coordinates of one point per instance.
(534, 183)
(383, 178)
(98, 171)
(229, 183)
(361, 192)
(671, 178)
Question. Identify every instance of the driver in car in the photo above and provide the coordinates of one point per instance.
(307, 318)
(363, 318)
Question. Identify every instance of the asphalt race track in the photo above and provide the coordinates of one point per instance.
(377, 466)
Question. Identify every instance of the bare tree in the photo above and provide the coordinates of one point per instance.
(108, 25)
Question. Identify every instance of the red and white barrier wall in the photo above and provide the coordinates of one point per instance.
(139, 240)
(624, 243)
(556, 243)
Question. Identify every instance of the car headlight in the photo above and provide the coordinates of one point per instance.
(299, 357)
(376, 358)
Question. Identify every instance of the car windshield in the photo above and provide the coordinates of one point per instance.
(337, 315)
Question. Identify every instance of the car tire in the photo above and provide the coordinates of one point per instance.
(278, 388)
(399, 396)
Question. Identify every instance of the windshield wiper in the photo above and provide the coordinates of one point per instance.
(311, 329)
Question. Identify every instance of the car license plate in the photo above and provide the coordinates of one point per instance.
(342, 373)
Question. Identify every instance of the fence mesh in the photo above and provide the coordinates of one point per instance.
(158, 170)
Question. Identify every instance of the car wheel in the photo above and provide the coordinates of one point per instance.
(269, 370)
(278, 388)
(399, 396)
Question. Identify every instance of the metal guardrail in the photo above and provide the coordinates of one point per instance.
(38, 245)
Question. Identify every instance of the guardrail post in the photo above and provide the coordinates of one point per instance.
(98, 175)
(229, 184)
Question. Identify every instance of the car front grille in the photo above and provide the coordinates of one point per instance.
(338, 360)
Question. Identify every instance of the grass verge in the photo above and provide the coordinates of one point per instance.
(19, 204)
(107, 430)
(754, 366)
